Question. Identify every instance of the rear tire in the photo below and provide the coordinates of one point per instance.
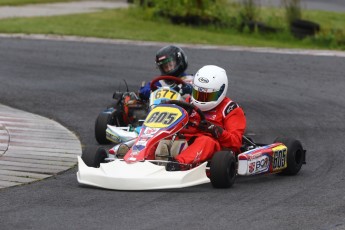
(295, 155)
(101, 123)
(94, 159)
(223, 169)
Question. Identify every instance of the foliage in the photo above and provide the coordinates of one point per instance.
(332, 38)
(248, 15)
(292, 10)
(136, 23)
(190, 12)
(249, 11)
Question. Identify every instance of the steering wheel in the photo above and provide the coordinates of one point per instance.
(177, 80)
(188, 107)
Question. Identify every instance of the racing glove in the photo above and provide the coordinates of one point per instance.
(215, 130)
(186, 89)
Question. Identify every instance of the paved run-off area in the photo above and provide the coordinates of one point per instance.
(33, 147)
(59, 8)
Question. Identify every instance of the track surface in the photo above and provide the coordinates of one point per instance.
(293, 95)
(328, 5)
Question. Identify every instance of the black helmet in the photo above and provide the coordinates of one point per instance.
(171, 60)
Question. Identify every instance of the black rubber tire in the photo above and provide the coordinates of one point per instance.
(94, 159)
(295, 155)
(101, 123)
(307, 25)
(223, 169)
(302, 28)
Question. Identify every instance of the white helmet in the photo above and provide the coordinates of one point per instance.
(209, 87)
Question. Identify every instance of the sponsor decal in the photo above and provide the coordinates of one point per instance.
(251, 167)
(144, 138)
(197, 157)
(112, 137)
(254, 155)
(230, 107)
(200, 89)
(150, 131)
(142, 143)
(256, 152)
(260, 165)
(203, 80)
(136, 149)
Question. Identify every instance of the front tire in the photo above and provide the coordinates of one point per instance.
(94, 159)
(223, 169)
(101, 123)
(295, 155)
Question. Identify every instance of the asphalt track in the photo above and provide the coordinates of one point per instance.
(282, 94)
(328, 5)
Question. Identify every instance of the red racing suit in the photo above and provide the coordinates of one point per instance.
(227, 115)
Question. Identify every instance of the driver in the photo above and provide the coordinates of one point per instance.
(225, 120)
(172, 61)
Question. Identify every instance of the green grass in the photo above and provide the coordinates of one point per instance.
(133, 24)
(25, 2)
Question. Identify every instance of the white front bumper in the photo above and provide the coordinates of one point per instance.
(120, 175)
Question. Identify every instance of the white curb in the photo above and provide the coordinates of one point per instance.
(33, 147)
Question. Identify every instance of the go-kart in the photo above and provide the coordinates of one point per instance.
(148, 163)
(127, 110)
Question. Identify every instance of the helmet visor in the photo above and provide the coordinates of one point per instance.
(166, 65)
(205, 95)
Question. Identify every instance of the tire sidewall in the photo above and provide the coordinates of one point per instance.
(103, 119)
(95, 158)
(223, 169)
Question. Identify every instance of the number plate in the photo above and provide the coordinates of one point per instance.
(279, 157)
(165, 93)
(163, 117)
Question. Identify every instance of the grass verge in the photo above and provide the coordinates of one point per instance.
(134, 24)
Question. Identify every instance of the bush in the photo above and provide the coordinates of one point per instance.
(249, 11)
(248, 15)
(332, 38)
(292, 10)
(191, 12)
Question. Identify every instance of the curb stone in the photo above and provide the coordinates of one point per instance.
(33, 147)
